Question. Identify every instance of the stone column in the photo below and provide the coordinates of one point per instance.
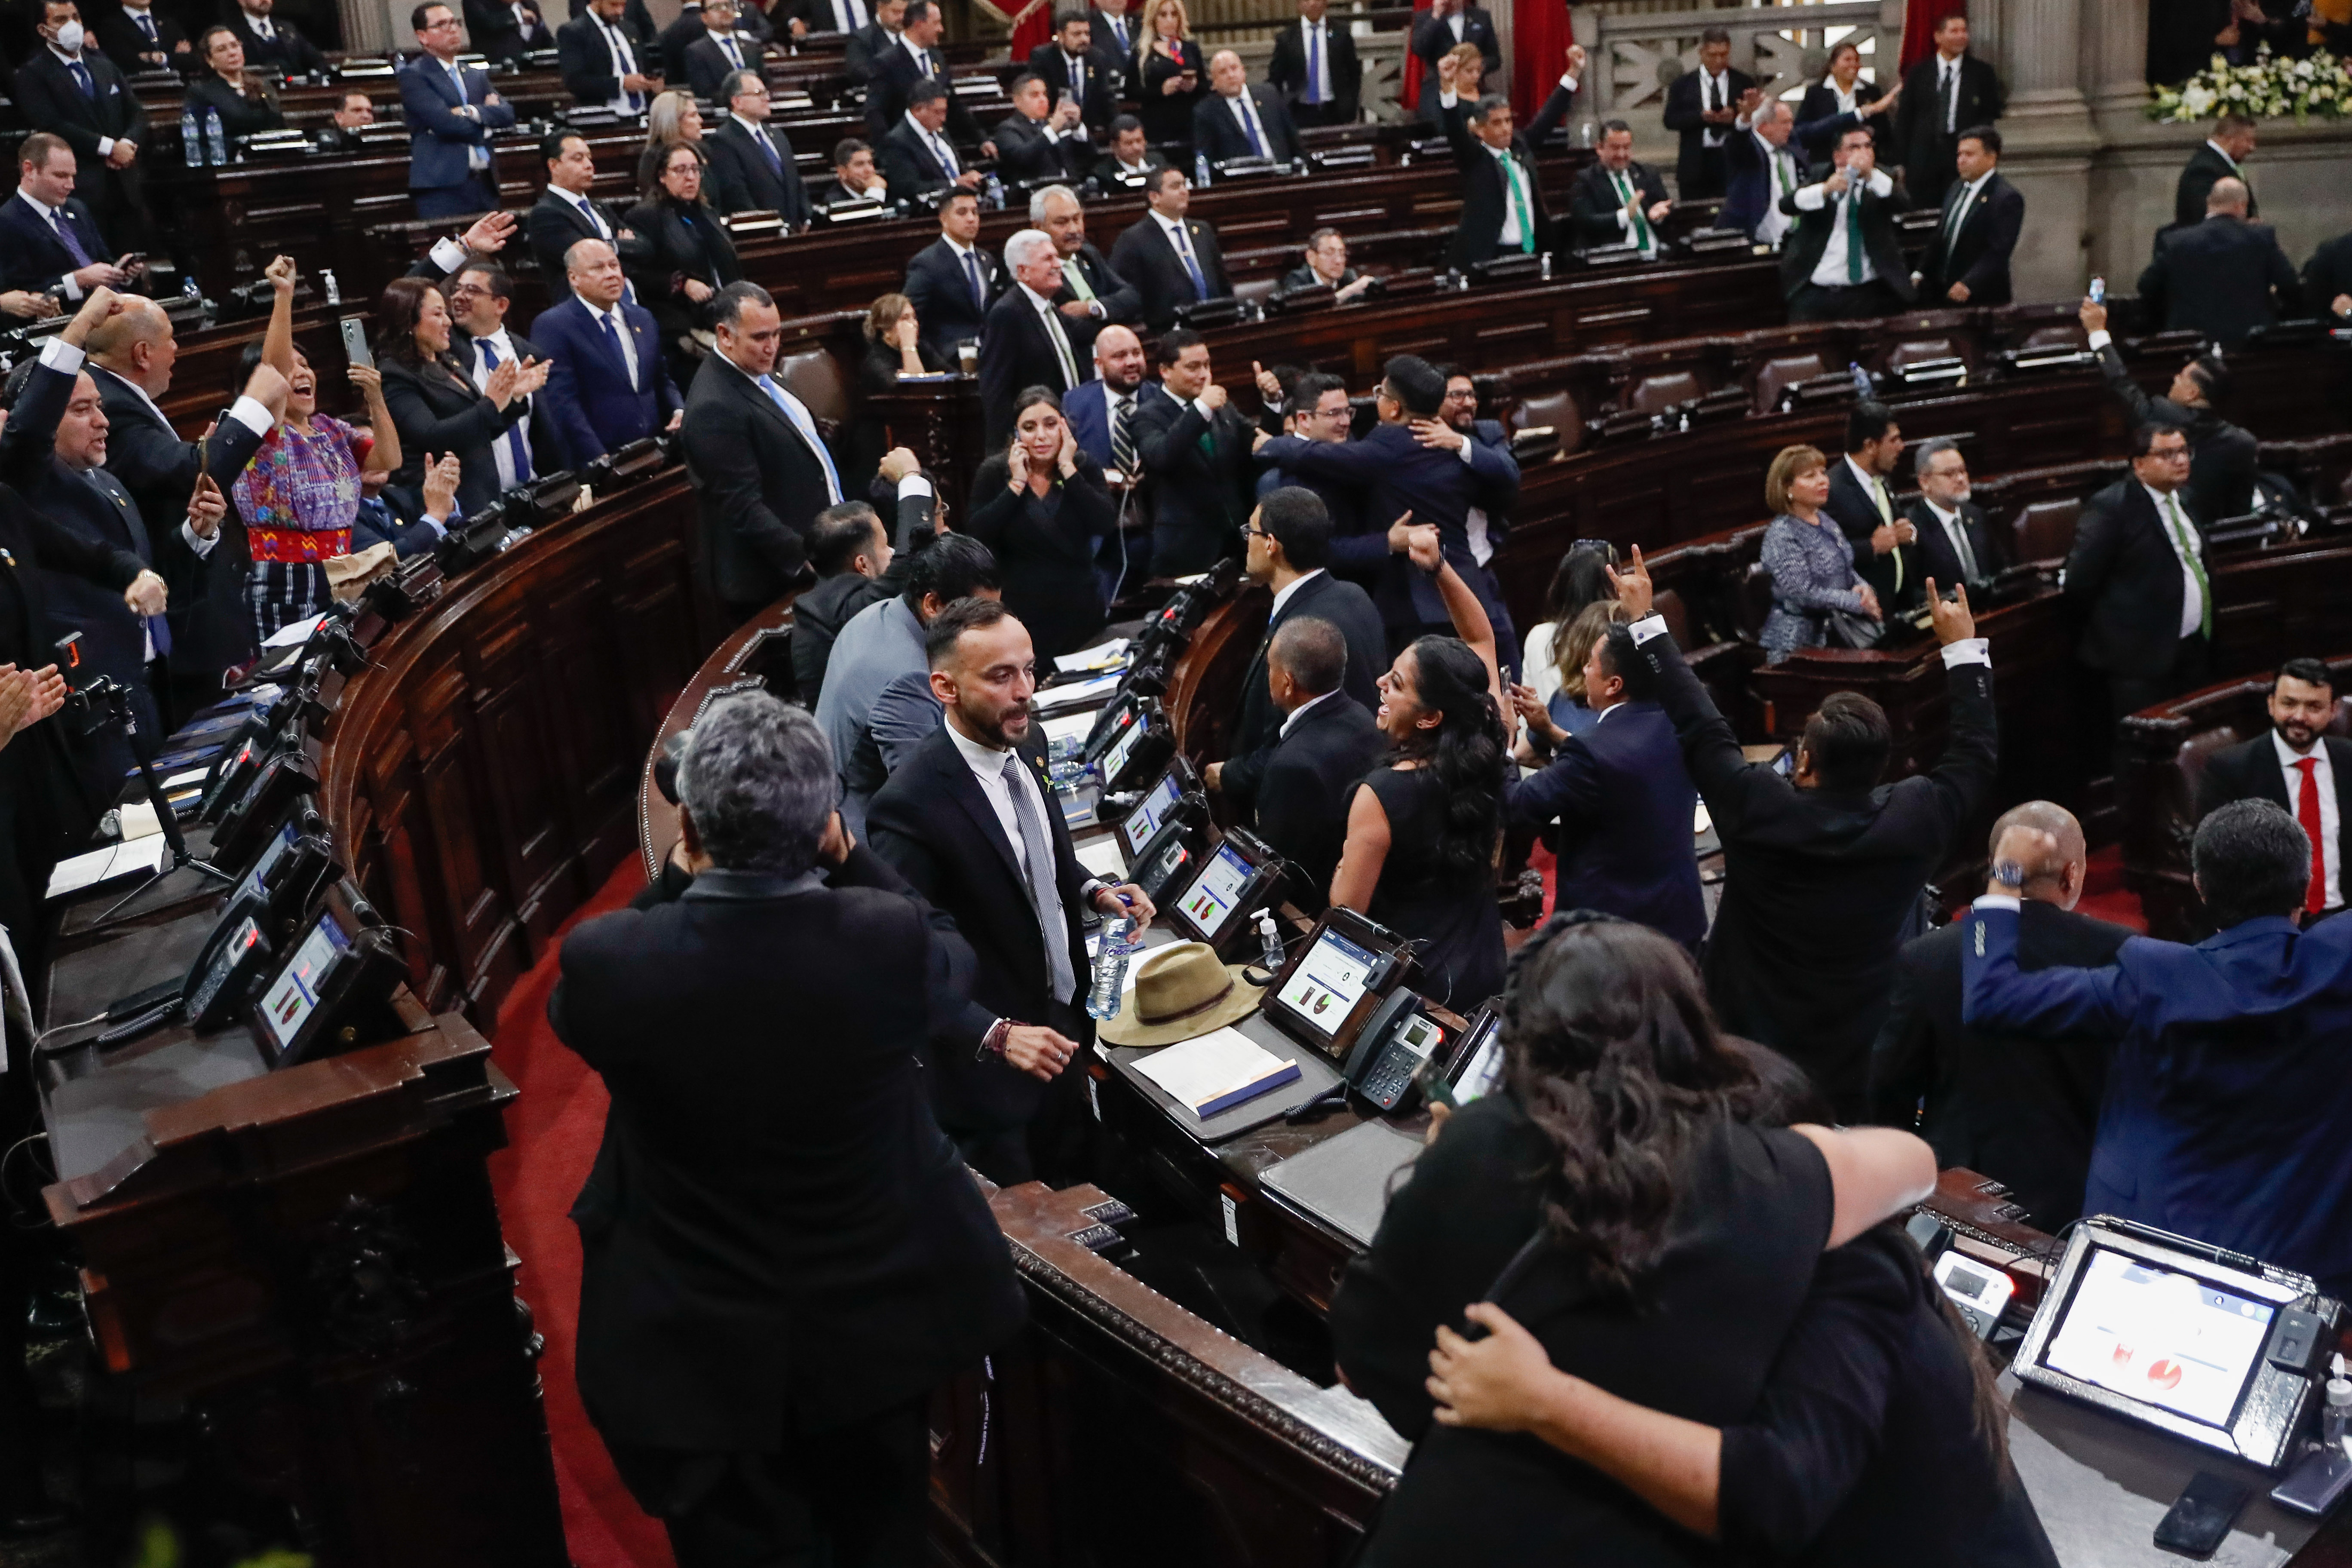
(2036, 46)
(2114, 58)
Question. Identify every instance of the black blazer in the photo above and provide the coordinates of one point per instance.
(668, 252)
(1934, 556)
(895, 75)
(239, 115)
(1683, 115)
(940, 289)
(1624, 802)
(757, 484)
(1920, 140)
(1120, 301)
(707, 65)
(1322, 597)
(1217, 137)
(48, 97)
(1431, 39)
(1809, 236)
(1303, 790)
(554, 225)
(1016, 354)
(1820, 102)
(2123, 580)
(436, 413)
(1045, 554)
(1113, 179)
(2020, 1108)
(1168, 117)
(491, 28)
(2197, 176)
(932, 823)
(2222, 277)
(818, 616)
(1287, 70)
(285, 49)
(1593, 206)
(747, 181)
(2250, 771)
(745, 1273)
(2327, 275)
(32, 256)
(1856, 515)
(1979, 255)
(1099, 105)
(1484, 197)
(863, 49)
(1302, 277)
(911, 167)
(1025, 155)
(128, 48)
(1819, 883)
(585, 61)
(2222, 458)
(1145, 257)
(1199, 500)
(1115, 56)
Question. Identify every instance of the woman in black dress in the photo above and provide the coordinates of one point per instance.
(434, 406)
(245, 103)
(1422, 830)
(685, 255)
(1620, 1196)
(1041, 506)
(1173, 78)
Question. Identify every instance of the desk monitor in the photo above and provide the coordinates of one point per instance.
(1476, 1068)
(1149, 811)
(1141, 750)
(1120, 715)
(1324, 997)
(1236, 879)
(2161, 1330)
(330, 991)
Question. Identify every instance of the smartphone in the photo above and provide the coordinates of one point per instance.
(355, 345)
(2316, 1484)
(2199, 1517)
(1429, 1078)
(2098, 290)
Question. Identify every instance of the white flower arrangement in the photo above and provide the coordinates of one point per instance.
(2273, 87)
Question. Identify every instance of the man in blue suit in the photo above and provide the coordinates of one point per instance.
(1760, 168)
(606, 383)
(451, 114)
(2228, 1116)
(1105, 416)
(1623, 797)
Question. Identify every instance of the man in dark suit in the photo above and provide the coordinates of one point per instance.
(1862, 503)
(1760, 168)
(854, 176)
(80, 95)
(1700, 107)
(1944, 94)
(857, 566)
(1132, 159)
(507, 29)
(870, 43)
(2228, 1110)
(750, 161)
(1325, 742)
(2137, 581)
(1114, 27)
(49, 243)
(2222, 156)
(841, 18)
(1621, 795)
(1955, 544)
(1171, 260)
(1315, 70)
(2328, 279)
(1825, 276)
(1444, 26)
(918, 57)
(918, 158)
(273, 46)
(1824, 868)
(2019, 1109)
(2301, 769)
(1323, 264)
(136, 40)
(2222, 277)
(1103, 411)
(1040, 140)
(2222, 456)
(1968, 261)
(722, 51)
(1024, 343)
(951, 282)
(1502, 194)
(607, 384)
(452, 117)
(1070, 68)
(1290, 551)
(1194, 447)
(601, 62)
(969, 822)
(760, 469)
(1618, 201)
(1093, 294)
(1241, 119)
(480, 295)
(1319, 409)
(770, 1298)
(565, 214)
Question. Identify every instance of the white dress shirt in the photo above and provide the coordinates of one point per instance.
(1719, 87)
(2331, 847)
(260, 24)
(624, 63)
(2225, 153)
(1957, 533)
(939, 150)
(1781, 178)
(501, 449)
(1315, 39)
(1831, 271)
(922, 58)
(987, 764)
(1244, 113)
(1282, 596)
(628, 343)
(1847, 102)
(1969, 193)
(1948, 74)
(2192, 600)
(1051, 319)
(106, 144)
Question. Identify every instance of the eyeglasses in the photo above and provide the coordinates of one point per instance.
(436, 26)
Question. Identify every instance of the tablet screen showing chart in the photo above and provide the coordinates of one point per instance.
(1215, 897)
(1326, 984)
(1149, 813)
(1114, 761)
(292, 997)
(2160, 1336)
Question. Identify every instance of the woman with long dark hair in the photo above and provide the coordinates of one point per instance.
(1040, 505)
(433, 406)
(1630, 1196)
(1581, 578)
(1423, 829)
(685, 255)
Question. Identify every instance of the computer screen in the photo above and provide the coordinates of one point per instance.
(2161, 1337)
(277, 845)
(1114, 761)
(1327, 982)
(1149, 813)
(1213, 900)
(292, 996)
(1482, 1062)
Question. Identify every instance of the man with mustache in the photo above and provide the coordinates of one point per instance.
(2299, 767)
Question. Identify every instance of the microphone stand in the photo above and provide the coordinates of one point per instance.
(109, 700)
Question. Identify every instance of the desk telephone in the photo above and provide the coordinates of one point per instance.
(1396, 1040)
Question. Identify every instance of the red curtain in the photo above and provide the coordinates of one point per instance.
(1032, 27)
(1410, 94)
(1541, 31)
(1920, 19)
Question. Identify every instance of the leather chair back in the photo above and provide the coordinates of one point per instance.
(1667, 389)
(1782, 372)
(2044, 531)
(815, 378)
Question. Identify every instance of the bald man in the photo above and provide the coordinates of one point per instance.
(1241, 118)
(607, 385)
(2223, 277)
(2018, 1109)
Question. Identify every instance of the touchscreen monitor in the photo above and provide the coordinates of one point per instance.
(1480, 1068)
(292, 996)
(1213, 901)
(1114, 761)
(1141, 822)
(1328, 981)
(2161, 1337)
(259, 879)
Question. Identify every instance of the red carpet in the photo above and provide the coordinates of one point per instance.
(553, 1128)
(2105, 897)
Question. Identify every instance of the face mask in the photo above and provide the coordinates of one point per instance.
(70, 38)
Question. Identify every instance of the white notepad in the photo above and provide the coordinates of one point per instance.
(1217, 1071)
(1102, 656)
(1058, 697)
(105, 865)
(1102, 858)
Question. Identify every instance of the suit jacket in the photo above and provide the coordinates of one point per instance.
(1025, 155)
(1098, 106)
(1894, 576)
(2019, 1108)
(1818, 884)
(33, 256)
(818, 616)
(2327, 275)
(554, 225)
(126, 45)
(49, 98)
(287, 49)
(873, 651)
(1431, 39)
(1484, 196)
(1809, 238)
(439, 138)
(1113, 179)
(2228, 1115)
(747, 181)
(592, 402)
(1749, 190)
(1199, 498)
(1217, 136)
(2222, 456)
(436, 414)
(2123, 580)
(1322, 597)
(895, 75)
(745, 1273)
(2206, 165)
(757, 483)
(491, 27)
(1977, 255)
(1303, 790)
(1821, 103)
(2250, 771)
(1016, 354)
(1683, 108)
(1114, 55)
(1120, 301)
(1088, 411)
(940, 287)
(1593, 206)
(239, 115)
(911, 166)
(1624, 803)
(1146, 257)
(1287, 71)
(1934, 556)
(863, 47)
(1921, 143)
(706, 64)
(584, 59)
(933, 823)
(2222, 277)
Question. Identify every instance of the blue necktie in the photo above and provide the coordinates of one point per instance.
(624, 60)
(517, 448)
(775, 159)
(612, 336)
(971, 268)
(147, 26)
(1314, 66)
(1249, 123)
(74, 246)
(81, 79)
(807, 427)
(1191, 263)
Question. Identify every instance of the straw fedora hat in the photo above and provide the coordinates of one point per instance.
(1181, 991)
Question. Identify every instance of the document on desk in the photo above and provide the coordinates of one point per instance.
(1217, 1071)
(1101, 857)
(1068, 727)
(1102, 656)
(104, 865)
(1053, 700)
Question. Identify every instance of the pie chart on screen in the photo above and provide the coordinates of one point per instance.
(2164, 1372)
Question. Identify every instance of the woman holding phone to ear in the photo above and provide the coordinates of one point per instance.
(1041, 507)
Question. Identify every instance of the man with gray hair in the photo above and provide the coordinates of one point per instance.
(782, 1255)
(1956, 543)
(1023, 343)
(1092, 293)
(1760, 168)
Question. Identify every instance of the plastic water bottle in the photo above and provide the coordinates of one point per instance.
(192, 144)
(995, 193)
(1862, 386)
(190, 288)
(215, 141)
(327, 282)
(1199, 171)
(1111, 955)
(2336, 1419)
(1269, 941)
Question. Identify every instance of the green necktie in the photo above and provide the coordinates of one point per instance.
(1625, 199)
(2187, 542)
(1075, 276)
(1886, 515)
(1515, 177)
(1854, 236)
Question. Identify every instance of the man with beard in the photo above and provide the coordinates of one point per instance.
(2298, 766)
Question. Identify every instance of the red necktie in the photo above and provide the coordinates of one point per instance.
(2307, 811)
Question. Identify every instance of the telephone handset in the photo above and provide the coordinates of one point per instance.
(1396, 1040)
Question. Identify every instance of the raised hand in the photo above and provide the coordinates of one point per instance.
(207, 507)
(489, 232)
(441, 478)
(500, 386)
(1634, 590)
(1214, 397)
(280, 273)
(1422, 548)
(1269, 386)
(1954, 622)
